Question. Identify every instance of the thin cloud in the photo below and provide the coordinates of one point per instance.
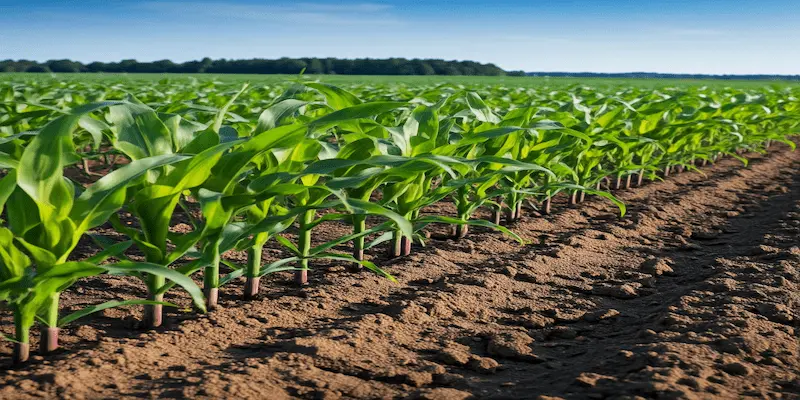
(695, 32)
(537, 39)
(307, 13)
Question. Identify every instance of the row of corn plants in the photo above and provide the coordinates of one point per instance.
(244, 166)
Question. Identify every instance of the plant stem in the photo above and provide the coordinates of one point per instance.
(547, 205)
(22, 335)
(86, 167)
(511, 214)
(573, 198)
(397, 245)
(359, 225)
(153, 314)
(211, 278)
(304, 245)
(640, 178)
(496, 211)
(462, 229)
(406, 245)
(628, 181)
(49, 333)
(252, 279)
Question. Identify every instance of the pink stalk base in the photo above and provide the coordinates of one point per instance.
(496, 217)
(251, 286)
(511, 215)
(22, 352)
(49, 340)
(212, 298)
(405, 244)
(154, 314)
(301, 277)
(547, 207)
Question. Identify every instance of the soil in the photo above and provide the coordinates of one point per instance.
(695, 293)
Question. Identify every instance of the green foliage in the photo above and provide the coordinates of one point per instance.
(236, 166)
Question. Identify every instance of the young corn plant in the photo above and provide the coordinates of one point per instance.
(225, 196)
(46, 219)
(141, 133)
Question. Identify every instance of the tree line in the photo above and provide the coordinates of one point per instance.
(360, 66)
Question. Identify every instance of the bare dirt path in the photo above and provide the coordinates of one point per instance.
(694, 294)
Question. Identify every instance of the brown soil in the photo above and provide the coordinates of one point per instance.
(694, 294)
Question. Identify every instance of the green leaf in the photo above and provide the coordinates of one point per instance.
(127, 267)
(139, 131)
(109, 304)
(220, 118)
(336, 97)
(7, 185)
(113, 250)
(421, 222)
(94, 206)
(365, 110)
(365, 207)
(6, 162)
(272, 116)
(481, 111)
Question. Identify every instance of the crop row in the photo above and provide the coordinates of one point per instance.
(244, 167)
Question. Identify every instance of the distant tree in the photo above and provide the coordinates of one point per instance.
(64, 66)
(37, 68)
(285, 65)
(128, 65)
(315, 66)
(96, 67)
(204, 64)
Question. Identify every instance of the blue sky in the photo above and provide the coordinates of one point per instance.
(693, 36)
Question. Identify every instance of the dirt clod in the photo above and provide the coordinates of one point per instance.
(624, 291)
(454, 357)
(737, 368)
(657, 266)
(484, 365)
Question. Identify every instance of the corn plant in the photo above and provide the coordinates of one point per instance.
(46, 219)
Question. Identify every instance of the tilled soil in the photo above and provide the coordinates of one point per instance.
(694, 294)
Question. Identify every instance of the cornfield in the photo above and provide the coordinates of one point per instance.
(245, 165)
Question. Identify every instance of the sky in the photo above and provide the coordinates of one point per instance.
(679, 36)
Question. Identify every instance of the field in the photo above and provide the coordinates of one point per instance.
(398, 237)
